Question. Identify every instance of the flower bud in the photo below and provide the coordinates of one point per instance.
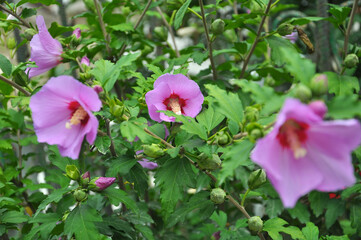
(11, 43)
(161, 33)
(217, 27)
(319, 84)
(29, 33)
(218, 195)
(216, 235)
(209, 163)
(85, 178)
(318, 107)
(302, 92)
(255, 224)
(80, 195)
(101, 183)
(285, 29)
(223, 138)
(230, 35)
(251, 114)
(85, 76)
(77, 33)
(85, 61)
(126, 11)
(72, 172)
(153, 150)
(255, 131)
(256, 179)
(351, 61)
(98, 89)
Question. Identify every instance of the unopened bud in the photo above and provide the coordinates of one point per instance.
(98, 89)
(302, 92)
(319, 84)
(255, 131)
(161, 33)
(85, 178)
(251, 114)
(230, 35)
(209, 163)
(217, 27)
(29, 33)
(256, 179)
(101, 183)
(85, 76)
(255, 224)
(125, 11)
(77, 33)
(153, 150)
(285, 29)
(85, 61)
(351, 61)
(72, 172)
(11, 43)
(218, 195)
(80, 195)
(223, 138)
(318, 107)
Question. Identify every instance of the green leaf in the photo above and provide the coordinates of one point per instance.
(57, 30)
(180, 14)
(120, 165)
(351, 190)
(342, 85)
(335, 208)
(28, 12)
(310, 231)
(139, 178)
(198, 204)
(45, 2)
(274, 207)
(103, 71)
(235, 155)
(189, 124)
(276, 225)
(134, 127)
(55, 196)
(225, 103)
(305, 20)
(123, 27)
(276, 44)
(355, 216)
(146, 231)
(172, 177)
(345, 106)
(117, 196)
(210, 118)
(102, 143)
(13, 217)
(5, 65)
(220, 219)
(80, 222)
(300, 212)
(317, 202)
(5, 144)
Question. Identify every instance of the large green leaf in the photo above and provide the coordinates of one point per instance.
(13, 217)
(5, 65)
(120, 165)
(345, 106)
(310, 231)
(80, 222)
(172, 177)
(117, 196)
(55, 196)
(180, 14)
(210, 118)
(276, 44)
(355, 215)
(342, 84)
(276, 225)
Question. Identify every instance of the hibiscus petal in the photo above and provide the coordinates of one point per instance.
(193, 106)
(48, 42)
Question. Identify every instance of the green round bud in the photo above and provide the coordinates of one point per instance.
(256, 179)
(126, 11)
(223, 138)
(116, 110)
(251, 114)
(72, 172)
(161, 33)
(255, 131)
(218, 195)
(302, 92)
(217, 27)
(11, 43)
(146, 50)
(255, 224)
(209, 163)
(80, 195)
(153, 150)
(351, 61)
(285, 29)
(319, 84)
(85, 76)
(29, 33)
(230, 35)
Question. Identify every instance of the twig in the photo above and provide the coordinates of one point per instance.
(102, 26)
(159, 138)
(136, 25)
(209, 43)
(256, 40)
(15, 15)
(170, 30)
(349, 26)
(79, 64)
(243, 134)
(15, 85)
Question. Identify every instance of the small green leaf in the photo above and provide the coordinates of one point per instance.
(335, 208)
(180, 14)
(276, 225)
(120, 165)
(317, 202)
(342, 85)
(274, 207)
(209, 118)
(45, 2)
(5, 65)
(102, 143)
(123, 27)
(28, 12)
(55, 196)
(117, 196)
(310, 231)
(300, 212)
(13, 217)
(355, 216)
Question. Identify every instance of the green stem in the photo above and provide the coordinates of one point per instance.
(195, 13)
(244, 197)
(349, 26)
(15, 85)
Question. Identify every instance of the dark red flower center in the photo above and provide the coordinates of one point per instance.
(293, 134)
(175, 104)
(78, 115)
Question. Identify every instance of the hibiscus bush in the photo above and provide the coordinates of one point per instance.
(181, 119)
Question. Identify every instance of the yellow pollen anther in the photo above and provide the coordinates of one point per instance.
(175, 106)
(79, 115)
(299, 152)
(295, 144)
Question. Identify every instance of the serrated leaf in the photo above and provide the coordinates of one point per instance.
(180, 14)
(13, 217)
(225, 103)
(80, 222)
(55, 196)
(117, 196)
(120, 165)
(342, 85)
(146, 231)
(198, 204)
(276, 225)
(310, 231)
(345, 106)
(351, 190)
(210, 119)
(276, 44)
(300, 212)
(5, 65)
(317, 202)
(5, 144)
(102, 143)
(274, 207)
(355, 216)
(335, 208)
(220, 218)
(172, 177)
(134, 127)
(234, 156)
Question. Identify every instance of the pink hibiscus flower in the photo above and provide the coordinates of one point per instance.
(304, 153)
(45, 50)
(62, 115)
(104, 182)
(175, 93)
